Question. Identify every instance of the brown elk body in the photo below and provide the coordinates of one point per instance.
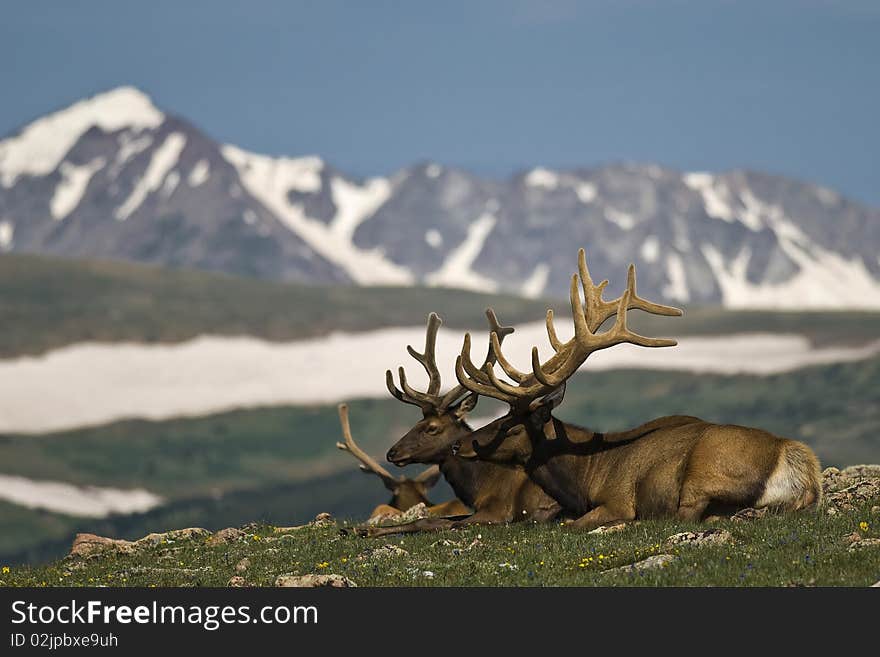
(405, 492)
(677, 466)
(497, 494)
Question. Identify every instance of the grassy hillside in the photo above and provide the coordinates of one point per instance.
(800, 549)
(49, 302)
(280, 464)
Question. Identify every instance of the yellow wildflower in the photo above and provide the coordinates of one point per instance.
(5, 569)
(863, 526)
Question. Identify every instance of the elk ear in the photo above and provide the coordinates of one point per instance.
(465, 406)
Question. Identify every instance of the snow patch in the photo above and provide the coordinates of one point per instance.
(355, 204)
(586, 192)
(650, 249)
(249, 217)
(88, 384)
(677, 287)
(623, 220)
(129, 146)
(163, 160)
(170, 184)
(276, 174)
(74, 181)
(41, 146)
(7, 232)
(537, 282)
(456, 270)
(434, 238)
(71, 500)
(542, 178)
(714, 195)
(199, 173)
(270, 180)
(433, 170)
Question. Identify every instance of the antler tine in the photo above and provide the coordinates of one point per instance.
(588, 316)
(367, 462)
(428, 359)
(427, 474)
(495, 329)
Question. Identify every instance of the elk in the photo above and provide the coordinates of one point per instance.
(405, 492)
(678, 466)
(496, 493)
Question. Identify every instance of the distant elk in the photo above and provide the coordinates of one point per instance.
(678, 466)
(405, 492)
(497, 494)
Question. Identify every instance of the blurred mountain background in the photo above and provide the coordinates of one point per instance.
(184, 302)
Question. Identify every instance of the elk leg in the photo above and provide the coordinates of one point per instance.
(692, 504)
(421, 525)
(601, 515)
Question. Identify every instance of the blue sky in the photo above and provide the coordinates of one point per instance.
(781, 86)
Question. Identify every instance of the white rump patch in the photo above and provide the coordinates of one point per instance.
(782, 485)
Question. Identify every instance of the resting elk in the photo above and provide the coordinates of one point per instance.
(677, 466)
(496, 493)
(405, 492)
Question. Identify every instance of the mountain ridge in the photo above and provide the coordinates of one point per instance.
(113, 176)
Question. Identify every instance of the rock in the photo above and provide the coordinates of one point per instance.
(864, 544)
(386, 551)
(172, 536)
(236, 581)
(707, 537)
(652, 562)
(849, 539)
(88, 545)
(321, 520)
(834, 480)
(609, 529)
(859, 493)
(875, 510)
(413, 513)
(228, 535)
(876, 585)
(243, 565)
(313, 581)
(744, 515)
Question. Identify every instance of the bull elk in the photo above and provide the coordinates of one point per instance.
(677, 466)
(496, 493)
(405, 492)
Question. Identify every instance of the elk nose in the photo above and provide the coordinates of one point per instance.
(393, 455)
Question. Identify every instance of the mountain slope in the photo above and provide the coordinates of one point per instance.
(115, 177)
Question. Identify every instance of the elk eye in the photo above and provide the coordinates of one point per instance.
(433, 429)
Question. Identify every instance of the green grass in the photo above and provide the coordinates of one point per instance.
(49, 302)
(804, 548)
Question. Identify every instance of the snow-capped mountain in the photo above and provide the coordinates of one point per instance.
(114, 177)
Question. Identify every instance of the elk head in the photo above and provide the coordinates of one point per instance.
(405, 492)
(443, 416)
(533, 395)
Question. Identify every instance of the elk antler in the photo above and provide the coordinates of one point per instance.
(569, 356)
(431, 400)
(368, 464)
